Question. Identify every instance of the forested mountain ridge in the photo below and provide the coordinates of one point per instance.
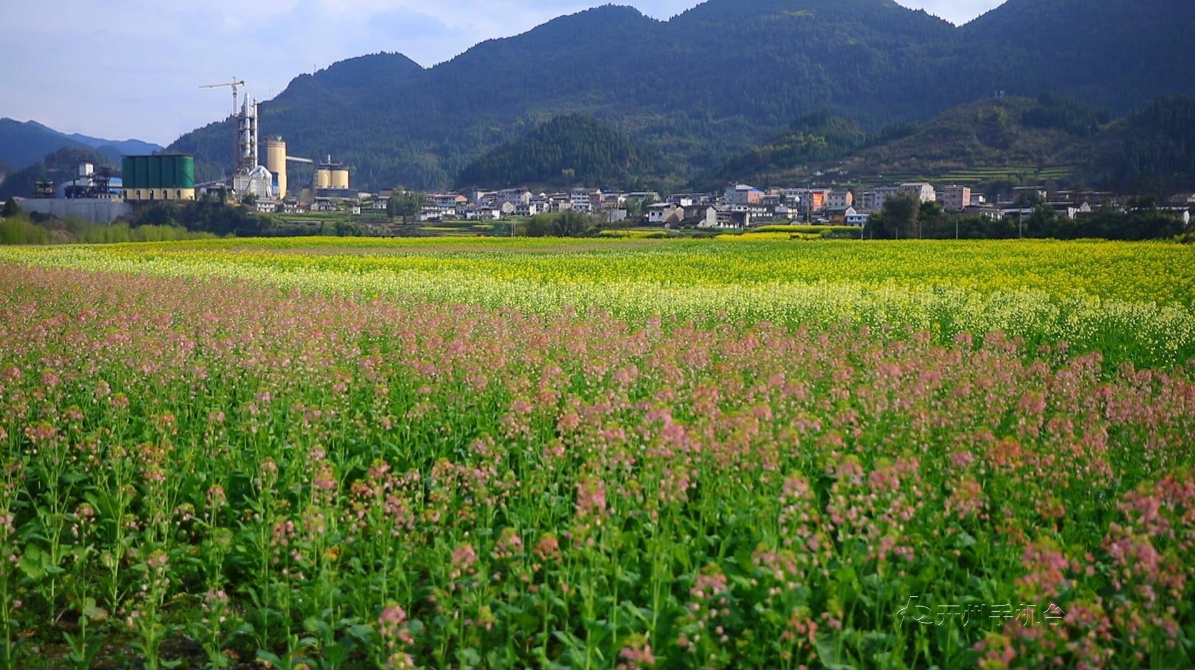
(572, 149)
(57, 166)
(713, 81)
(1151, 150)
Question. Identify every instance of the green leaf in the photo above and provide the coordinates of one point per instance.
(263, 655)
(827, 652)
(360, 631)
(33, 563)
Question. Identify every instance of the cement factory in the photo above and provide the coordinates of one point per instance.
(269, 182)
(97, 196)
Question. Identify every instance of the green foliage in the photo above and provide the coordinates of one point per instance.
(932, 222)
(208, 216)
(898, 218)
(10, 208)
(995, 144)
(569, 149)
(634, 234)
(804, 229)
(815, 137)
(1155, 152)
(1058, 112)
(73, 230)
(558, 224)
(18, 230)
(404, 203)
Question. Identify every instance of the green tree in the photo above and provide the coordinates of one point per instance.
(899, 216)
(10, 208)
(404, 203)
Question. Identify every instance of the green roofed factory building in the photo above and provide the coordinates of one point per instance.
(158, 177)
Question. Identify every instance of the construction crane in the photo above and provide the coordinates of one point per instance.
(234, 83)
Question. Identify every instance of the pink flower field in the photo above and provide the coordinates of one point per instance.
(214, 473)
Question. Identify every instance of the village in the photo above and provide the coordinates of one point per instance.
(742, 206)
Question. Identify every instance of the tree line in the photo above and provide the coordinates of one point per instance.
(904, 216)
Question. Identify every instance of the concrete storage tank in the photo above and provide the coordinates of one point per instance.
(340, 178)
(141, 171)
(166, 169)
(276, 163)
(184, 172)
(323, 177)
(158, 177)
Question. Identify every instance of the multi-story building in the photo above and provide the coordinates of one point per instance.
(792, 196)
(873, 200)
(580, 201)
(497, 198)
(923, 190)
(954, 197)
(527, 209)
(665, 213)
(742, 194)
(815, 199)
(839, 199)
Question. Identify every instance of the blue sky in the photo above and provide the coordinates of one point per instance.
(132, 68)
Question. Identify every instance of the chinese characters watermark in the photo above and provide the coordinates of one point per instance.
(978, 614)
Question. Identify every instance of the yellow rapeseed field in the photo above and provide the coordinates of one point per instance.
(1131, 300)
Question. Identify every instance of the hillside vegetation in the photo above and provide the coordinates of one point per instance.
(1047, 139)
(58, 166)
(570, 149)
(708, 84)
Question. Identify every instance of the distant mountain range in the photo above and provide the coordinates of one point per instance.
(23, 144)
(57, 166)
(716, 80)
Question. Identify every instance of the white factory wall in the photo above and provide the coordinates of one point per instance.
(94, 210)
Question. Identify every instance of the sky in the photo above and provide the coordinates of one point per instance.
(133, 68)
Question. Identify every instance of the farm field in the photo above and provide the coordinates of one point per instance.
(634, 453)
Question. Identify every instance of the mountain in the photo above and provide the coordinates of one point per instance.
(813, 139)
(117, 148)
(1151, 150)
(58, 166)
(1114, 53)
(1048, 138)
(22, 144)
(715, 80)
(569, 150)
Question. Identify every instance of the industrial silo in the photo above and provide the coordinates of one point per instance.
(276, 163)
(153, 169)
(141, 172)
(184, 174)
(340, 178)
(166, 168)
(158, 177)
(323, 177)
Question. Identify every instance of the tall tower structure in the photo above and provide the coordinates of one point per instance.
(276, 162)
(247, 136)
